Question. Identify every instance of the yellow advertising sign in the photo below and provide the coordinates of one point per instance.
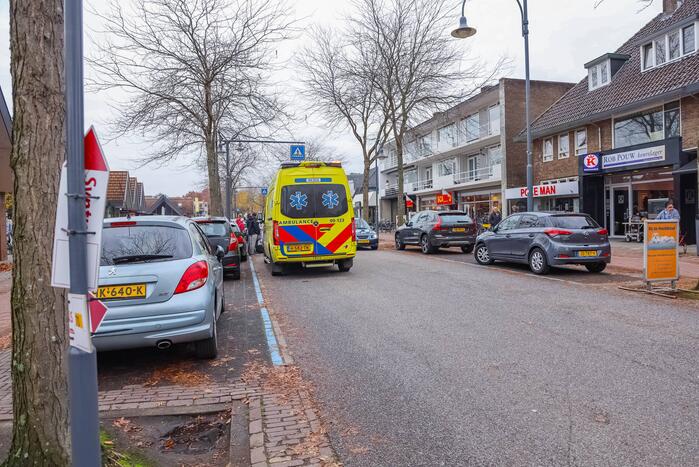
(660, 251)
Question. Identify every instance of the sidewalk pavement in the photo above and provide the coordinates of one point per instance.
(629, 256)
(5, 314)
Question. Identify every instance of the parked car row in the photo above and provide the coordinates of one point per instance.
(162, 279)
(539, 239)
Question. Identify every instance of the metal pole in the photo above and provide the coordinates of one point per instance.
(82, 382)
(228, 181)
(530, 174)
(378, 218)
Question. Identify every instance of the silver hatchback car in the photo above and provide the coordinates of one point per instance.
(545, 239)
(162, 283)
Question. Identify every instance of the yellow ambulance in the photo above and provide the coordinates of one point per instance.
(308, 217)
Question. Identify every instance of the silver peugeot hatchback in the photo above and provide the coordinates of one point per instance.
(162, 283)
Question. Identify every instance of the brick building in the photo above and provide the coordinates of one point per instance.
(624, 139)
(5, 172)
(467, 151)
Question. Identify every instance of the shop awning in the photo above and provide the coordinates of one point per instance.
(688, 168)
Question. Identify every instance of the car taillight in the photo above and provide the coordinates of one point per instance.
(123, 224)
(194, 277)
(557, 232)
(241, 240)
(233, 244)
(602, 232)
(354, 230)
(275, 232)
(438, 225)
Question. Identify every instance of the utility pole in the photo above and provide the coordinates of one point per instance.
(82, 385)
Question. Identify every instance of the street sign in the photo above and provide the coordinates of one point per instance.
(96, 179)
(98, 311)
(264, 191)
(297, 152)
(661, 251)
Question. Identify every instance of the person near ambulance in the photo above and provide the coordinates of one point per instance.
(253, 227)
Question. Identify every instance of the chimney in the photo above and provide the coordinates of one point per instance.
(669, 6)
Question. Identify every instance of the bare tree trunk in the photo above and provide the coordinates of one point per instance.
(215, 203)
(365, 190)
(39, 323)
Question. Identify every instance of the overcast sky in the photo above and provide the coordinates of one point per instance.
(564, 34)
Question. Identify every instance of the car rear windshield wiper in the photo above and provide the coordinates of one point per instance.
(137, 258)
(588, 227)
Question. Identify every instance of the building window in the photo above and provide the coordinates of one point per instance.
(581, 142)
(472, 127)
(548, 149)
(446, 167)
(494, 117)
(494, 155)
(598, 75)
(669, 47)
(644, 127)
(445, 136)
(688, 40)
(563, 146)
(672, 119)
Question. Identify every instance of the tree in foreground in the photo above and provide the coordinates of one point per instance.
(39, 319)
(340, 79)
(191, 68)
(421, 69)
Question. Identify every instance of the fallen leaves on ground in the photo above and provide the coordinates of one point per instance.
(4, 267)
(5, 341)
(126, 425)
(185, 374)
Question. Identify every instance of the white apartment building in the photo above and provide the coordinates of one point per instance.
(463, 152)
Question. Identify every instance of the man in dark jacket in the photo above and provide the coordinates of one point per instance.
(253, 231)
(495, 217)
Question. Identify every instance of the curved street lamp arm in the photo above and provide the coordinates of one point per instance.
(463, 7)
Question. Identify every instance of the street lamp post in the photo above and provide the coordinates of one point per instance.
(464, 31)
(379, 156)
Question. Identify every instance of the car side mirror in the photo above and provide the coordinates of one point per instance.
(409, 224)
(220, 252)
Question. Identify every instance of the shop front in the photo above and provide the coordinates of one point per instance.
(622, 188)
(479, 204)
(558, 195)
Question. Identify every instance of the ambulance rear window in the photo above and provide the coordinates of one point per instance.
(317, 200)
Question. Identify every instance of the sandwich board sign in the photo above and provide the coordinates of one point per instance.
(96, 179)
(297, 152)
(661, 251)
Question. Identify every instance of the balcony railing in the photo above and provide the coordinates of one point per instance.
(483, 173)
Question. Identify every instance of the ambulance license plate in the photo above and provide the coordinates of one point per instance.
(107, 292)
(587, 253)
(300, 248)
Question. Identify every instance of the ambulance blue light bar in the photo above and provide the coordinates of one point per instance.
(310, 164)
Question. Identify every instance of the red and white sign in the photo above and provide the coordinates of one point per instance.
(409, 203)
(445, 199)
(553, 189)
(96, 179)
(98, 311)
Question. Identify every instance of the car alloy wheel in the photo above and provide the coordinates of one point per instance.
(482, 255)
(399, 244)
(425, 245)
(537, 262)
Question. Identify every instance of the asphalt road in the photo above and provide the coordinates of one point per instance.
(434, 361)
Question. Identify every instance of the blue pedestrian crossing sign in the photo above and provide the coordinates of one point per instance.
(264, 191)
(297, 152)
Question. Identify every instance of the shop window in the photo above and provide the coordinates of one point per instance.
(548, 150)
(672, 119)
(581, 142)
(563, 146)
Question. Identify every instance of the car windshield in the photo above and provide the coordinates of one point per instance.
(144, 243)
(214, 229)
(362, 224)
(455, 217)
(574, 222)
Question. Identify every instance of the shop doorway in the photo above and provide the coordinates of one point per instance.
(620, 209)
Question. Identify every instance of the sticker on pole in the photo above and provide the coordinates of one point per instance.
(79, 322)
(96, 179)
(98, 310)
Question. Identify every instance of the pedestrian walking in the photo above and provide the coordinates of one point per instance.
(669, 213)
(253, 231)
(495, 217)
